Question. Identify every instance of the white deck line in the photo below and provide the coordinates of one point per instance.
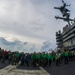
(11, 70)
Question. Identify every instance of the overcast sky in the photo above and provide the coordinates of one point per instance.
(31, 20)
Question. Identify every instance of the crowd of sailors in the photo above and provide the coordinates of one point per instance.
(37, 59)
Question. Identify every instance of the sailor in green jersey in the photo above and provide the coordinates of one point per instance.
(70, 55)
(39, 58)
(54, 57)
(49, 57)
(62, 55)
(33, 58)
(44, 59)
(66, 57)
(17, 54)
(57, 58)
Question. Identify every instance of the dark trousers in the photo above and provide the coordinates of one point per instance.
(57, 62)
(66, 59)
(22, 62)
(34, 62)
(27, 62)
(50, 62)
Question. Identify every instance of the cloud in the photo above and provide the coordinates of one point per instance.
(19, 46)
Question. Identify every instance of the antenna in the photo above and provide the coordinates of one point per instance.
(65, 13)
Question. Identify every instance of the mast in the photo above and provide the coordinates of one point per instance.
(65, 13)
